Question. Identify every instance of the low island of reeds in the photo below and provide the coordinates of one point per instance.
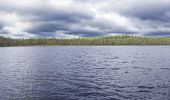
(112, 40)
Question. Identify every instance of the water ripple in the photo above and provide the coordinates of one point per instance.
(85, 73)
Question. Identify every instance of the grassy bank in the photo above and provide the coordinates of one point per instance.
(114, 40)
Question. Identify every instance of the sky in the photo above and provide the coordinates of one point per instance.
(84, 18)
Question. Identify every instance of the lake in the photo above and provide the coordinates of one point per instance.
(85, 73)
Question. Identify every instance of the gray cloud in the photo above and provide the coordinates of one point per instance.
(71, 18)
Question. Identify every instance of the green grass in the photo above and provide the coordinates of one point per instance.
(113, 40)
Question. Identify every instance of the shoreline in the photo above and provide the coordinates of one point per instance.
(81, 46)
(97, 41)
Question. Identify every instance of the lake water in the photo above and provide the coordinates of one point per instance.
(85, 73)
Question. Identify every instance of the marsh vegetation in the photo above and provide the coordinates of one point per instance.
(113, 40)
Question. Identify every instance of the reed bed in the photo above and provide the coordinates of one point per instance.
(113, 40)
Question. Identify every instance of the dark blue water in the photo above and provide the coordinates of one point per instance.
(85, 73)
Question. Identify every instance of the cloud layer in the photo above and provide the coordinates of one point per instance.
(84, 18)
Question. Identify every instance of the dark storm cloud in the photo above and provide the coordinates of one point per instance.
(1, 26)
(56, 22)
(68, 18)
(158, 33)
(47, 27)
(152, 11)
(49, 18)
(85, 33)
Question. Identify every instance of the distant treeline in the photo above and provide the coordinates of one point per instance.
(113, 40)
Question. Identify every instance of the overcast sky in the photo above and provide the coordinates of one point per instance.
(84, 18)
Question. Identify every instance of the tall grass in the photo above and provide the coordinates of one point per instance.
(113, 40)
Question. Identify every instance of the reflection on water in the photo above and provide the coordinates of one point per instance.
(102, 73)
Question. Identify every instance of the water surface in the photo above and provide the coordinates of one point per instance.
(85, 73)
